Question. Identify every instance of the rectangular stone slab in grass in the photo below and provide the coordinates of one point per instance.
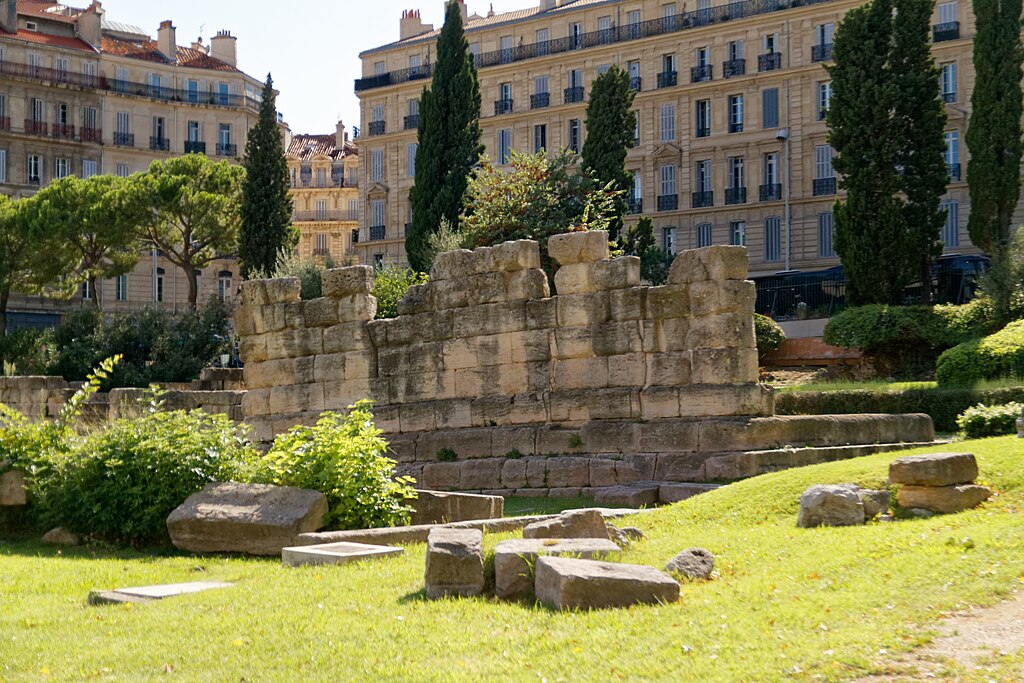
(514, 560)
(335, 553)
(934, 469)
(150, 593)
(565, 583)
(944, 499)
(455, 562)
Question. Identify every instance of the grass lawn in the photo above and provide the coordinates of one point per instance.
(789, 604)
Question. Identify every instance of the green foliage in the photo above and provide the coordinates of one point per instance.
(119, 483)
(994, 138)
(996, 356)
(28, 350)
(266, 233)
(611, 126)
(344, 457)
(447, 238)
(448, 139)
(886, 125)
(309, 271)
(654, 263)
(981, 420)
(447, 455)
(942, 404)
(769, 335)
(390, 284)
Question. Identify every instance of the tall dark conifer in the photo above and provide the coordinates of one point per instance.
(449, 139)
(267, 230)
(994, 138)
(611, 127)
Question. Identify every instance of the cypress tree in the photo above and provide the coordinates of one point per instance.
(994, 138)
(448, 139)
(611, 124)
(267, 231)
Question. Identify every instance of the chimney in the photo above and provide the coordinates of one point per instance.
(545, 5)
(340, 136)
(89, 24)
(412, 25)
(222, 47)
(462, 8)
(198, 45)
(9, 15)
(166, 43)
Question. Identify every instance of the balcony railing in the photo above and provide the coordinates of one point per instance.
(702, 132)
(701, 73)
(574, 94)
(947, 31)
(636, 83)
(124, 139)
(734, 67)
(949, 97)
(502, 107)
(65, 131)
(634, 205)
(954, 171)
(159, 144)
(411, 122)
(195, 147)
(227, 149)
(668, 202)
(702, 200)
(735, 195)
(315, 216)
(824, 186)
(668, 79)
(377, 232)
(91, 134)
(34, 127)
(769, 62)
(821, 53)
(771, 192)
(540, 100)
(626, 32)
(376, 127)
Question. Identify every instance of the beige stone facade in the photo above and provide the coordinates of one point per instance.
(324, 180)
(81, 95)
(717, 90)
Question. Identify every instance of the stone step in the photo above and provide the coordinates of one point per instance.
(648, 493)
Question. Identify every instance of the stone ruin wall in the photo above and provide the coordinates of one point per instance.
(609, 382)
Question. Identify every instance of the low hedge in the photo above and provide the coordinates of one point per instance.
(996, 356)
(982, 420)
(942, 404)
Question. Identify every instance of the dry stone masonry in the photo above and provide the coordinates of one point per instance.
(938, 482)
(485, 382)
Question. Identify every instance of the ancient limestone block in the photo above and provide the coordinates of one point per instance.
(628, 304)
(573, 342)
(530, 407)
(830, 505)
(329, 367)
(674, 335)
(724, 366)
(293, 343)
(465, 443)
(321, 312)
(486, 288)
(658, 402)
(342, 337)
(588, 523)
(342, 282)
(360, 365)
(452, 265)
(705, 400)
(582, 309)
(568, 471)
(580, 373)
(422, 386)
(417, 299)
(616, 338)
(566, 583)
(260, 375)
(410, 329)
(613, 403)
(630, 495)
(437, 507)
(618, 273)
(934, 469)
(567, 406)
(245, 322)
(441, 475)
(514, 560)
(491, 410)
(693, 563)
(602, 472)
(339, 395)
(297, 398)
(256, 402)
(730, 296)
(579, 247)
(480, 474)
(722, 330)
(453, 413)
(611, 437)
(294, 315)
(455, 562)
(575, 278)
(526, 284)
(354, 307)
(253, 293)
(452, 293)
(542, 314)
(627, 370)
(412, 359)
(417, 417)
(718, 262)
(668, 301)
(669, 369)
(516, 255)
(401, 447)
(490, 319)
(513, 473)
(378, 331)
(530, 346)
(943, 499)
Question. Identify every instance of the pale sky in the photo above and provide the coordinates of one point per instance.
(310, 46)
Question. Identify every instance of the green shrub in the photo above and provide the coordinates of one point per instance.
(996, 356)
(29, 351)
(309, 271)
(981, 420)
(343, 456)
(769, 335)
(390, 284)
(976, 318)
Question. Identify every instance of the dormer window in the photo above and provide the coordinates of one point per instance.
(31, 26)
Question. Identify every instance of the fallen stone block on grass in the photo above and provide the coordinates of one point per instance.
(831, 505)
(565, 583)
(61, 536)
(151, 593)
(625, 535)
(455, 562)
(944, 499)
(435, 507)
(12, 488)
(693, 563)
(634, 495)
(335, 553)
(514, 560)
(876, 502)
(934, 469)
(673, 493)
(570, 524)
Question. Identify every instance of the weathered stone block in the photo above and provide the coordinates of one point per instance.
(673, 335)
(724, 366)
(514, 561)
(668, 436)
(707, 400)
(341, 282)
(658, 402)
(275, 291)
(573, 342)
(320, 313)
(417, 417)
(628, 304)
(944, 499)
(617, 338)
(579, 247)
(531, 346)
(568, 472)
(485, 288)
(617, 273)
(576, 278)
(602, 472)
(668, 301)
(513, 442)
(343, 337)
(297, 398)
(453, 413)
(674, 493)
(730, 296)
(669, 369)
(441, 475)
(513, 473)
(934, 469)
(611, 437)
(614, 403)
(721, 331)
(455, 562)
(342, 394)
(627, 370)
(830, 505)
(480, 474)
(634, 495)
(718, 262)
(542, 314)
(293, 343)
(536, 473)
(453, 265)
(566, 583)
(571, 524)
(516, 255)
(875, 502)
(438, 507)
(693, 563)
(12, 489)
(487, 319)
(526, 284)
(329, 367)
(580, 373)
(354, 307)
(418, 299)
(575, 310)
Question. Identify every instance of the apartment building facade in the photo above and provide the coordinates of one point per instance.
(82, 95)
(731, 143)
(324, 173)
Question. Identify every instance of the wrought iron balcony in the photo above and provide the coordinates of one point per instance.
(701, 200)
(502, 107)
(195, 147)
(702, 132)
(668, 79)
(377, 128)
(91, 134)
(634, 205)
(949, 96)
(821, 53)
(159, 144)
(318, 216)
(34, 127)
(954, 171)
(124, 139)
(636, 83)
(63, 130)
(377, 232)
(574, 94)
(668, 202)
(950, 30)
(735, 195)
(771, 192)
(540, 100)
(769, 62)
(701, 73)
(734, 67)
(824, 186)
(411, 122)
(227, 149)
(736, 126)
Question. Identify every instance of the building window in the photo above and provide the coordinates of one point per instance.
(821, 51)
(738, 233)
(86, 291)
(574, 135)
(703, 237)
(321, 177)
(33, 169)
(949, 82)
(121, 287)
(321, 244)
(540, 137)
(353, 209)
(702, 176)
(770, 108)
(772, 239)
(224, 145)
(62, 114)
(121, 79)
(61, 168)
(504, 145)
(377, 209)
(668, 123)
(158, 292)
(667, 174)
(703, 119)
(223, 92)
(826, 249)
(224, 286)
(123, 171)
(951, 230)
(668, 240)
(735, 113)
(154, 85)
(410, 159)
(377, 164)
(824, 98)
(36, 106)
(89, 168)
(952, 139)
(321, 209)
(3, 165)
(379, 68)
(540, 85)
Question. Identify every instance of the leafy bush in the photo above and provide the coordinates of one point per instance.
(343, 456)
(769, 335)
(976, 318)
(29, 351)
(981, 420)
(309, 271)
(390, 284)
(995, 356)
